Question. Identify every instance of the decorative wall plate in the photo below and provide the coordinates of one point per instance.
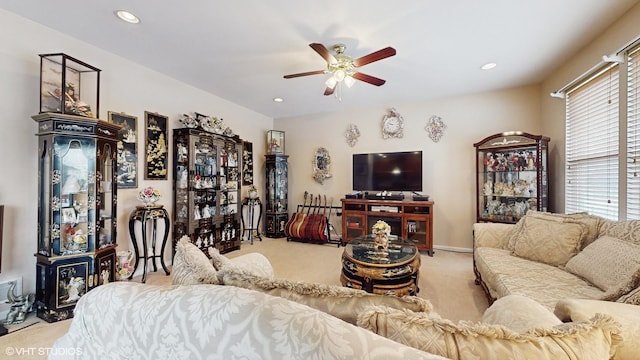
(435, 127)
(352, 134)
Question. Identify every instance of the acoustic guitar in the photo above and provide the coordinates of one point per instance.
(298, 228)
(293, 221)
(306, 226)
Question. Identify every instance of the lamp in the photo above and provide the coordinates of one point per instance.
(349, 81)
(341, 68)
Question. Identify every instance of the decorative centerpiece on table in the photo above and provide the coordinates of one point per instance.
(149, 196)
(381, 230)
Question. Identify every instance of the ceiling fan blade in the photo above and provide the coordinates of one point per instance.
(291, 76)
(368, 79)
(323, 51)
(374, 56)
(329, 90)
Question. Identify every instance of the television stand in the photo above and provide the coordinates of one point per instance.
(411, 220)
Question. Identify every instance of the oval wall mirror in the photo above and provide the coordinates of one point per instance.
(321, 165)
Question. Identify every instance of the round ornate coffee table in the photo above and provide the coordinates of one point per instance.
(394, 271)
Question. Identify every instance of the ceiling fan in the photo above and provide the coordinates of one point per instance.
(344, 68)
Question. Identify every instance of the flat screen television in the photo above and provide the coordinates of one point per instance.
(395, 171)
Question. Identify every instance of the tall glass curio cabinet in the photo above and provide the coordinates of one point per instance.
(206, 173)
(77, 197)
(276, 209)
(512, 176)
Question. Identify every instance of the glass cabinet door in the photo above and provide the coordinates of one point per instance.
(229, 176)
(277, 192)
(511, 176)
(73, 183)
(355, 226)
(417, 228)
(106, 221)
(204, 163)
(277, 183)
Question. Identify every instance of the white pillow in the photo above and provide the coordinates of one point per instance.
(520, 314)
(191, 266)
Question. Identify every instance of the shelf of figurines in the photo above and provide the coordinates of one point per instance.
(510, 211)
(516, 188)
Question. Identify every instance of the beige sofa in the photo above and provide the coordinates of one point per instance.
(574, 265)
(257, 316)
(137, 321)
(198, 318)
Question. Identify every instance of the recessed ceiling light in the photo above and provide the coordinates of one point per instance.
(124, 15)
(488, 66)
(278, 99)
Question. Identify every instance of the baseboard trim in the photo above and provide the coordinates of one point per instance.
(452, 248)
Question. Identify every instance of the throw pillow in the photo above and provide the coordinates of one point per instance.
(591, 222)
(623, 230)
(514, 234)
(218, 259)
(606, 263)
(341, 302)
(594, 339)
(633, 297)
(548, 241)
(191, 266)
(519, 313)
(252, 263)
(627, 316)
(623, 288)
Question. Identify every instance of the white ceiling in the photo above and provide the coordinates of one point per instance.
(240, 50)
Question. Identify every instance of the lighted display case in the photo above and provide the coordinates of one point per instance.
(69, 86)
(275, 142)
(206, 175)
(77, 198)
(511, 177)
(277, 189)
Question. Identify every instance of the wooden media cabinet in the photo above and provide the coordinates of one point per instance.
(411, 220)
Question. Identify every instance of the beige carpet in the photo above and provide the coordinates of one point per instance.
(446, 279)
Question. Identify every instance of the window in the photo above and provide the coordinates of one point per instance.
(592, 149)
(633, 134)
(603, 141)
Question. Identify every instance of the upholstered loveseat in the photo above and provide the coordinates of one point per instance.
(574, 265)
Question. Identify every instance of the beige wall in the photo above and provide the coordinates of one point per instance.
(125, 87)
(613, 39)
(449, 167)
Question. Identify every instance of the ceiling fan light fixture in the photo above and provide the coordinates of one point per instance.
(349, 81)
(331, 81)
(339, 75)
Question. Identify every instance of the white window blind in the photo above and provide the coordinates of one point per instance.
(592, 145)
(633, 134)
